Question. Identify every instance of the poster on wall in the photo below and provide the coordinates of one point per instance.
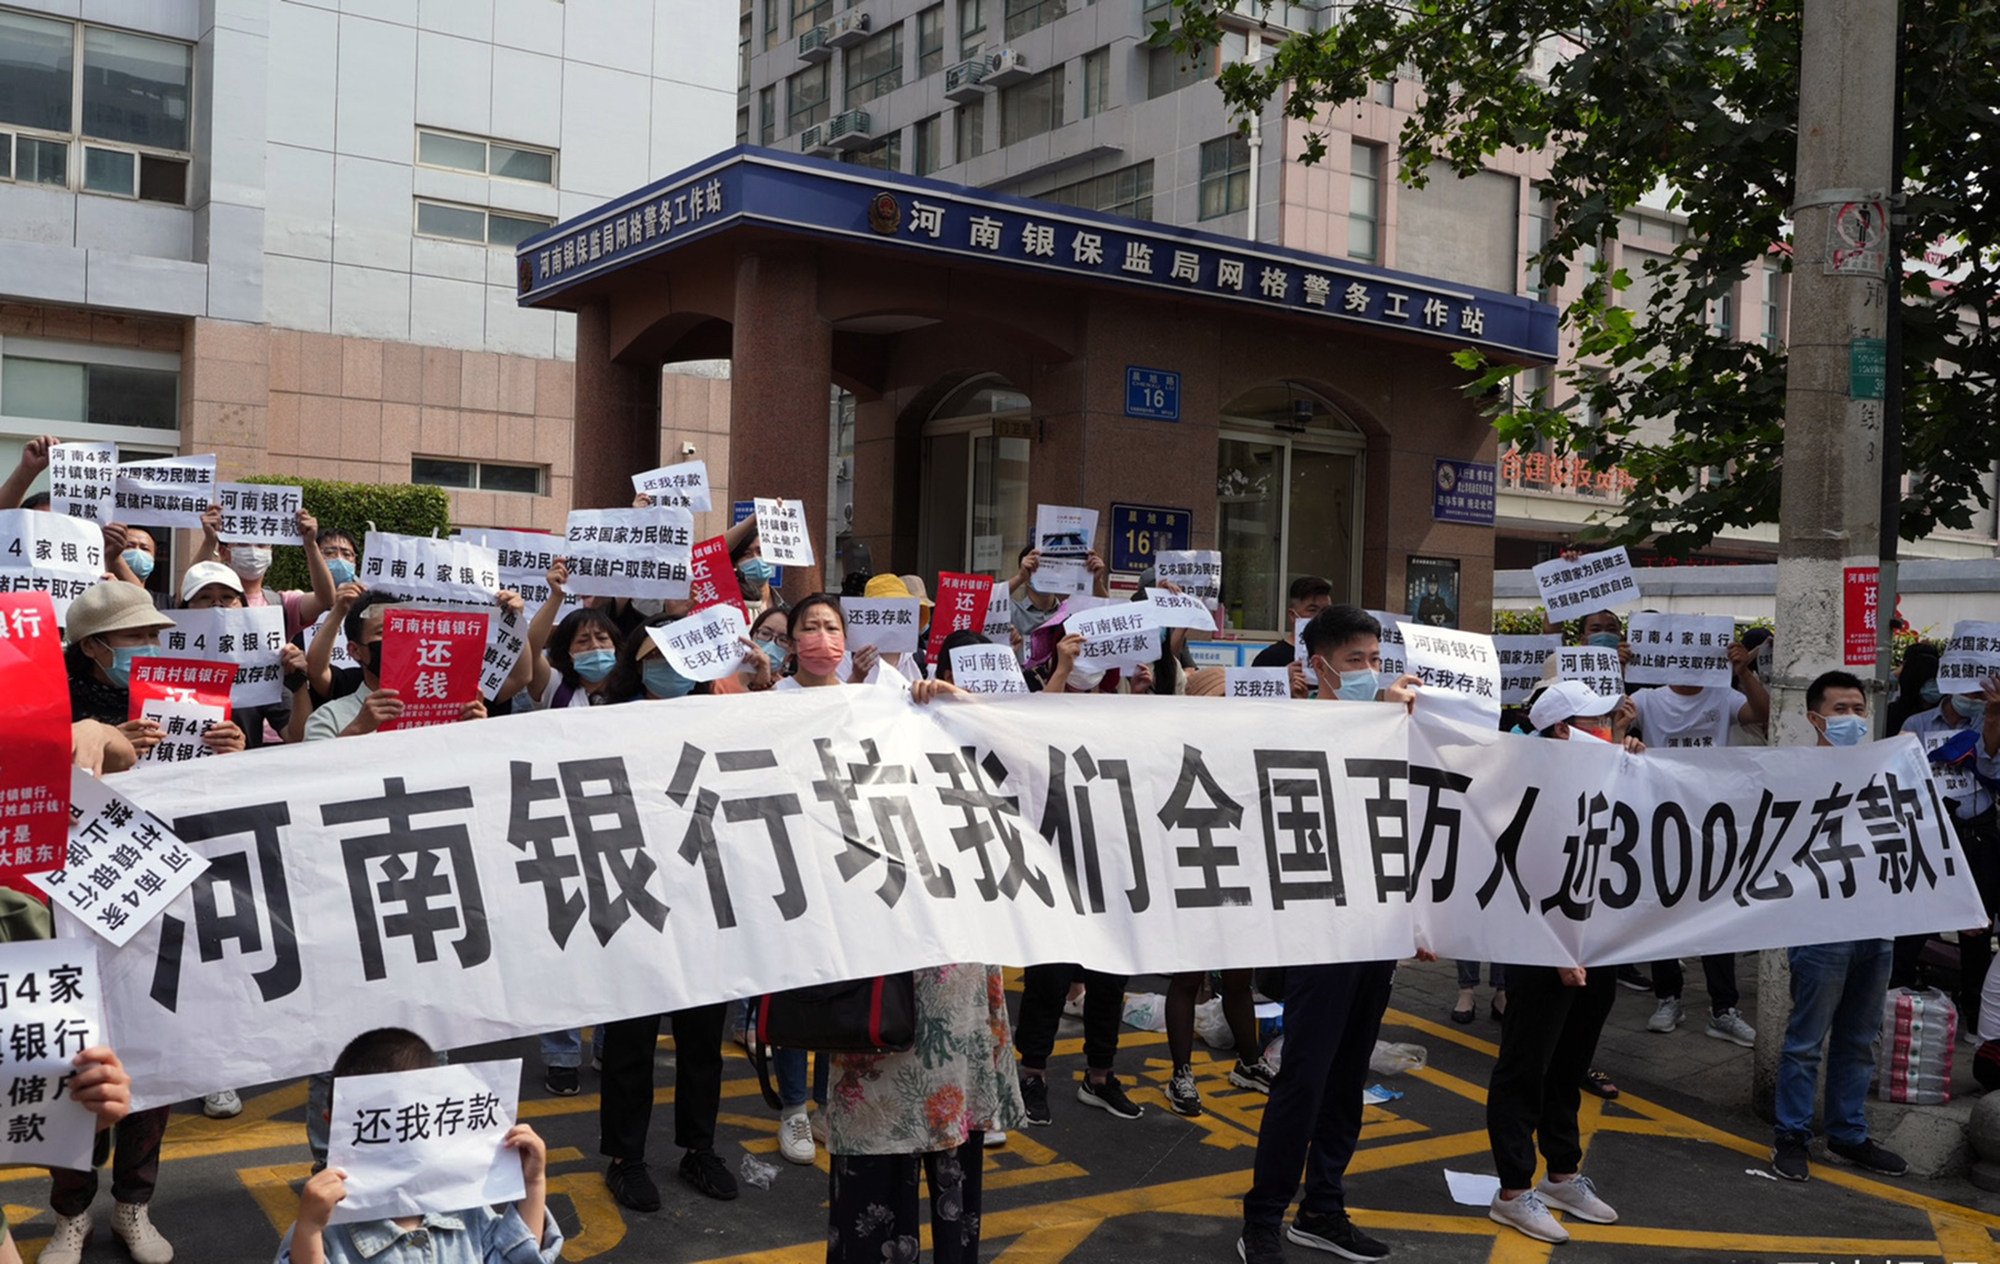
(1430, 588)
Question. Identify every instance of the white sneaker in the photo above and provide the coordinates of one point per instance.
(1729, 1025)
(223, 1105)
(1667, 1015)
(1528, 1214)
(135, 1228)
(1578, 1197)
(795, 1138)
(995, 1138)
(66, 1245)
(1073, 1006)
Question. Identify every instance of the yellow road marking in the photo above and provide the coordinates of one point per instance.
(1047, 1246)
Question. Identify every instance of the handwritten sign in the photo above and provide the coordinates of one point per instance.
(1521, 661)
(1594, 666)
(1679, 649)
(34, 736)
(887, 623)
(252, 637)
(986, 669)
(684, 486)
(49, 553)
(124, 865)
(1198, 572)
(83, 480)
(428, 1140)
(418, 566)
(781, 527)
(1595, 581)
(1256, 682)
(254, 513)
(433, 660)
(707, 645)
(1972, 655)
(630, 552)
(173, 491)
(50, 1011)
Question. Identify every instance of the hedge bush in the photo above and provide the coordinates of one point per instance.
(404, 510)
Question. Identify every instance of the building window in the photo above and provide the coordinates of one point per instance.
(805, 98)
(1167, 71)
(930, 41)
(885, 154)
(483, 476)
(875, 66)
(1096, 82)
(924, 155)
(1541, 221)
(806, 14)
(767, 114)
(91, 393)
(971, 127)
(971, 26)
(742, 124)
(743, 25)
(773, 31)
(1031, 107)
(500, 159)
(1127, 191)
(1774, 308)
(1722, 314)
(1026, 15)
(453, 222)
(1225, 176)
(1364, 202)
(123, 100)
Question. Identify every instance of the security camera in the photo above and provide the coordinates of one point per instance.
(687, 449)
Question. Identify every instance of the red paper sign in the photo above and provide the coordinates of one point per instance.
(34, 738)
(961, 605)
(197, 680)
(432, 659)
(1860, 597)
(712, 580)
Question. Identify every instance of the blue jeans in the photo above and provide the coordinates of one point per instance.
(565, 1048)
(790, 1067)
(1837, 994)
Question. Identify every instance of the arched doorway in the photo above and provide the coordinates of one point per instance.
(976, 505)
(1288, 500)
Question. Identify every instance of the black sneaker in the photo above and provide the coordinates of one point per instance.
(560, 1081)
(705, 1171)
(1108, 1096)
(1870, 1157)
(1635, 978)
(1182, 1095)
(631, 1186)
(1256, 1076)
(1035, 1096)
(1261, 1244)
(1334, 1232)
(1790, 1159)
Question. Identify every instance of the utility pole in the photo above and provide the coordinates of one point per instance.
(1830, 514)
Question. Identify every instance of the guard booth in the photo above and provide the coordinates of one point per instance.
(1300, 413)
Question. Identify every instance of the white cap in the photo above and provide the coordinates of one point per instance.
(1564, 700)
(202, 574)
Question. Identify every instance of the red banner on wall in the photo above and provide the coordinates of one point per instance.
(1860, 597)
(961, 604)
(202, 681)
(712, 580)
(432, 659)
(34, 738)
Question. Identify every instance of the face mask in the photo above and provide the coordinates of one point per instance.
(1846, 730)
(250, 562)
(755, 572)
(1929, 693)
(820, 652)
(1972, 707)
(648, 606)
(662, 681)
(595, 665)
(1359, 686)
(341, 569)
(1602, 640)
(139, 562)
(120, 669)
(1577, 733)
(772, 652)
(1081, 681)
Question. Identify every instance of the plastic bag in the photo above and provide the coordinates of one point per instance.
(1211, 1026)
(1146, 1011)
(756, 1172)
(1274, 1053)
(1919, 1037)
(1391, 1059)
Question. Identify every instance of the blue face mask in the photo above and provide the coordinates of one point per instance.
(341, 569)
(1971, 706)
(772, 652)
(1359, 686)
(1846, 730)
(1602, 640)
(595, 665)
(1929, 693)
(120, 670)
(139, 562)
(662, 681)
(755, 571)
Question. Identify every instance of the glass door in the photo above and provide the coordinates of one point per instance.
(1320, 522)
(1250, 528)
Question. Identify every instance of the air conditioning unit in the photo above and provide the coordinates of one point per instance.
(1005, 67)
(814, 140)
(813, 45)
(965, 81)
(849, 130)
(850, 27)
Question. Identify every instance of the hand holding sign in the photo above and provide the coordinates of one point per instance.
(781, 526)
(437, 1139)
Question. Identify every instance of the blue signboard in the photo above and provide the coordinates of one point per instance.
(1464, 491)
(750, 186)
(1140, 531)
(1153, 393)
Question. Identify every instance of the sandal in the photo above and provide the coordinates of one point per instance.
(1598, 1084)
(1464, 1016)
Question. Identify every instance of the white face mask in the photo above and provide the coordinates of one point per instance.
(1081, 681)
(649, 606)
(250, 561)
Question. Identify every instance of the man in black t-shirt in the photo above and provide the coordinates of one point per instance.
(1309, 594)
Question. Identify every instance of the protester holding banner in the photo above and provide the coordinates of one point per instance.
(1837, 992)
(252, 561)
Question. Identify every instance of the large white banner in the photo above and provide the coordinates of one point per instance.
(569, 867)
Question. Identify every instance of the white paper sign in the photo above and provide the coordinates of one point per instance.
(252, 637)
(1593, 582)
(1062, 577)
(999, 625)
(83, 480)
(630, 552)
(986, 552)
(253, 513)
(707, 645)
(1123, 634)
(1521, 662)
(1459, 670)
(1064, 531)
(525, 558)
(50, 553)
(418, 566)
(1303, 657)
(986, 669)
(1197, 571)
(1395, 661)
(124, 864)
(1179, 610)
(1972, 654)
(343, 653)
(182, 725)
(1594, 666)
(1679, 649)
(428, 1140)
(1256, 682)
(51, 1009)
(781, 527)
(887, 623)
(506, 638)
(683, 486)
(173, 491)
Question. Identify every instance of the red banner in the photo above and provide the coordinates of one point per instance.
(202, 681)
(1860, 595)
(712, 580)
(432, 659)
(961, 604)
(34, 738)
